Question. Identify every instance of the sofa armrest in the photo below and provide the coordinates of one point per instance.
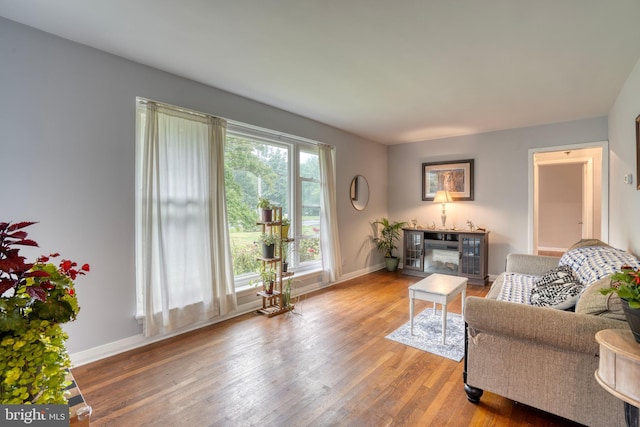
(544, 326)
(530, 264)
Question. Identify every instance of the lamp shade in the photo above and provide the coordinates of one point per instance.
(442, 196)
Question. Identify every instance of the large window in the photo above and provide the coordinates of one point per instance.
(183, 243)
(285, 171)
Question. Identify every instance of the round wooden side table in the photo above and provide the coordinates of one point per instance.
(619, 369)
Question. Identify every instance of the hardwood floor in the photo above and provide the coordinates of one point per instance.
(327, 364)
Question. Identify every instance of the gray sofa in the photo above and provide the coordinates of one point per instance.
(539, 356)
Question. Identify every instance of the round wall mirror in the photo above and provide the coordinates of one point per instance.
(359, 192)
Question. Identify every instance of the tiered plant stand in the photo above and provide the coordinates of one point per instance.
(272, 303)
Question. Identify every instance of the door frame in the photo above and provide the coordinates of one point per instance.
(533, 196)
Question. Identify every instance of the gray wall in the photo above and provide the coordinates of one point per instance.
(501, 179)
(67, 121)
(624, 199)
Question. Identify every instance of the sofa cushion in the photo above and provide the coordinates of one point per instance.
(593, 303)
(557, 288)
(592, 263)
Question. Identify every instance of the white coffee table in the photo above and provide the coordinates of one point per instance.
(439, 289)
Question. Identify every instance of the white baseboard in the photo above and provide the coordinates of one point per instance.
(136, 341)
(361, 272)
(130, 343)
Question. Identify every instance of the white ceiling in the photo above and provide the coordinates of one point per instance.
(390, 71)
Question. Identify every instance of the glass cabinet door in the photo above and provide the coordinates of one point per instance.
(413, 249)
(470, 255)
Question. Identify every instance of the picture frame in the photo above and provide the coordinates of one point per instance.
(637, 152)
(454, 176)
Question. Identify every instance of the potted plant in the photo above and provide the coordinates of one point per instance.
(285, 256)
(266, 209)
(626, 284)
(286, 293)
(386, 240)
(285, 227)
(35, 298)
(268, 241)
(267, 278)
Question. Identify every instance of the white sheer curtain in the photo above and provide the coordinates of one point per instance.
(183, 251)
(329, 240)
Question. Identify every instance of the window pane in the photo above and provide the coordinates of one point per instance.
(309, 166)
(309, 244)
(253, 169)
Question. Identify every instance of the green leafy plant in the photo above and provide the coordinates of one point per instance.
(268, 275)
(35, 298)
(267, 278)
(268, 238)
(264, 203)
(286, 293)
(626, 283)
(286, 249)
(388, 234)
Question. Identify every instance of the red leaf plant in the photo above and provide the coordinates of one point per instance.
(38, 290)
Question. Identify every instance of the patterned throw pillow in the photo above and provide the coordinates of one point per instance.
(557, 288)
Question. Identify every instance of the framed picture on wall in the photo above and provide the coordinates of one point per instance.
(454, 176)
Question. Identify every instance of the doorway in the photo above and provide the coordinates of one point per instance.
(568, 196)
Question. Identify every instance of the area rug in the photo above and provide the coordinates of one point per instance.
(427, 334)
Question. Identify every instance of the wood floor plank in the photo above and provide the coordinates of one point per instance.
(326, 364)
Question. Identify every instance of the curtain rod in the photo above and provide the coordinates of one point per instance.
(236, 125)
(145, 101)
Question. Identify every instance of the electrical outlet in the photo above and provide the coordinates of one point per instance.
(628, 179)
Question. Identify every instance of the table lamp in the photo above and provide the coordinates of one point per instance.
(443, 197)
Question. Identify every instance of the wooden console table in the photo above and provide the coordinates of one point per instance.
(619, 369)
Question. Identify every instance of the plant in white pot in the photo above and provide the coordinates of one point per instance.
(388, 234)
